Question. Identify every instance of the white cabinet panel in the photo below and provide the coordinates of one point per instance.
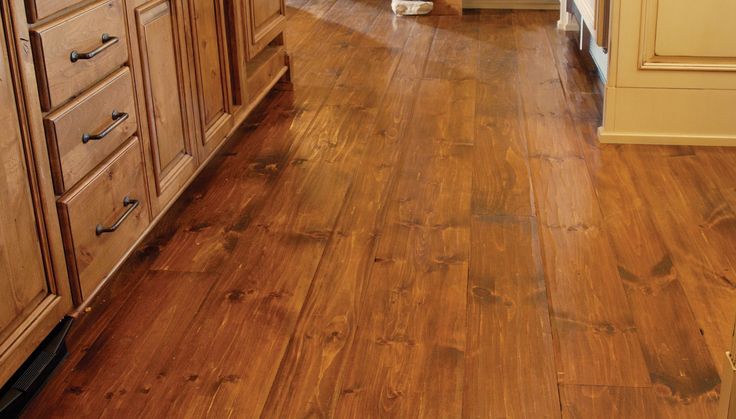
(706, 28)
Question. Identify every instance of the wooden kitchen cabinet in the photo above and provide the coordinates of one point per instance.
(167, 123)
(668, 85)
(266, 20)
(34, 293)
(211, 59)
(110, 108)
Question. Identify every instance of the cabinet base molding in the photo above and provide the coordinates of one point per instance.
(669, 116)
(662, 139)
(34, 372)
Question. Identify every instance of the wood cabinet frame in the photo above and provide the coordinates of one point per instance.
(165, 181)
(258, 37)
(213, 131)
(50, 310)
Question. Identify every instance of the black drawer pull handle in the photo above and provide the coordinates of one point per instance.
(107, 42)
(117, 118)
(132, 204)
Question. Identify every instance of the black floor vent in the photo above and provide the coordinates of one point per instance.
(34, 372)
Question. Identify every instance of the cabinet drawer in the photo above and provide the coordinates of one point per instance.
(40, 9)
(76, 51)
(103, 218)
(86, 131)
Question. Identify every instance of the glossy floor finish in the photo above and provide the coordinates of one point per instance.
(424, 227)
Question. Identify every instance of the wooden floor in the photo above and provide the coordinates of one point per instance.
(425, 227)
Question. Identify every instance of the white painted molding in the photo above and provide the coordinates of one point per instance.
(567, 20)
(511, 4)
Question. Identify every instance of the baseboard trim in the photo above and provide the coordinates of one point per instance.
(510, 4)
(663, 139)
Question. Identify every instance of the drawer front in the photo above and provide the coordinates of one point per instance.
(77, 51)
(87, 130)
(104, 217)
(40, 9)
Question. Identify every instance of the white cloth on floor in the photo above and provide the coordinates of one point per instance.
(411, 7)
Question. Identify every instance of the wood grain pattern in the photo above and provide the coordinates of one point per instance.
(421, 262)
(90, 113)
(507, 295)
(319, 349)
(657, 297)
(211, 61)
(266, 20)
(100, 201)
(23, 145)
(162, 88)
(22, 273)
(424, 227)
(59, 77)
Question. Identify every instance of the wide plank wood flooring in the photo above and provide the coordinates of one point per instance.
(425, 227)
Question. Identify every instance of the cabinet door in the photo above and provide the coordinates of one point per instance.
(30, 298)
(266, 19)
(212, 72)
(163, 73)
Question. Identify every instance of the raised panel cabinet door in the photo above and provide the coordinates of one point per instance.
(675, 44)
(711, 29)
(29, 303)
(160, 44)
(212, 72)
(266, 19)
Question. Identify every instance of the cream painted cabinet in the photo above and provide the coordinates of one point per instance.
(672, 76)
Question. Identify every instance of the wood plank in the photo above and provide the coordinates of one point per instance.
(454, 49)
(579, 402)
(414, 57)
(679, 363)
(550, 129)
(125, 362)
(565, 197)
(721, 163)
(591, 319)
(507, 295)
(501, 184)
(617, 187)
(320, 58)
(278, 263)
(230, 196)
(313, 366)
(421, 262)
(578, 73)
(694, 223)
